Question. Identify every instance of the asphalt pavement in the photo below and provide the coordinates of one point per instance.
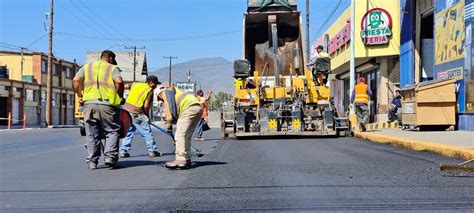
(45, 170)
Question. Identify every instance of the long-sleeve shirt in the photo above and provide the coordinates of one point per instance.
(397, 101)
(369, 92)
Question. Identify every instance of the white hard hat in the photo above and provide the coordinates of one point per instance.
(159, 89)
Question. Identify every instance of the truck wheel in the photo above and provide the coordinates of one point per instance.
(82, 129)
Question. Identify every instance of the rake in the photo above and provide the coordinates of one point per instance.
(194, 151)
(463, 167)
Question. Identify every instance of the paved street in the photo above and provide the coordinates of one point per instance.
(45, 170)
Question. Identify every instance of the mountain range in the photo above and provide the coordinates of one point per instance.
(209, 74)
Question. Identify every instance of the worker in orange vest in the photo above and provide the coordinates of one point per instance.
(360, 99)
(205, 114)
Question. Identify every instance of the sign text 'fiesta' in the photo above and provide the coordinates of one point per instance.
(376, 27)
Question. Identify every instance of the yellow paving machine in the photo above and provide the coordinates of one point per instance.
(275, 94)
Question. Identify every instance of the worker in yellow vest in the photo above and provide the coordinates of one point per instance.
(99, 87)
(360, 98)
(138, 104)
(183, 109)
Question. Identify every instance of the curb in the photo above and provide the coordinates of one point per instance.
(62, 126)
(441, 149)
(9, 130)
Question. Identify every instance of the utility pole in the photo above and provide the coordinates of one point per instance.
(22, 49)
(134, 60)
(352, 63)
(49, 84)
(169, 74)
(308, 52)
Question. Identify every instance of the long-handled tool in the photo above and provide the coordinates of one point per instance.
(463, 167)
(194, 151)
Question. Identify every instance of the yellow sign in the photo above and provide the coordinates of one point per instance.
(450, 36)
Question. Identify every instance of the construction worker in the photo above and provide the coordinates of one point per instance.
(138, 104)
(393, 112)
(321, 52)
(183, 109)
(99, 87)
(360, 99)
(205, 114)
(320, 65)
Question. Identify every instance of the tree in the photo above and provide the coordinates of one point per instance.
(218, 100)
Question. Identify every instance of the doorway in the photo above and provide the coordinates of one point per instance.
(427, 46)
(3, 110)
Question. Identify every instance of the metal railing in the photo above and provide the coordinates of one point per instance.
(10, 120)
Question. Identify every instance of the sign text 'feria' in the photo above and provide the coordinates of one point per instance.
(376, 27)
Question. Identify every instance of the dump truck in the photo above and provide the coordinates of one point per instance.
(276, 93)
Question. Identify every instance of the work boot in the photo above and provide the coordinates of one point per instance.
(124, 155)
(92, 165)
(111, 162)
(155, 154)
(178, 164)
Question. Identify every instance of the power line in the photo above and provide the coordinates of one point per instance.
(82, 21)
(150, 39)
(11, 45)
(37, 40)
(101, 20)
(326, 21)
(92, 20)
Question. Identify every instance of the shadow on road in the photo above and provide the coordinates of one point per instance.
(195, 164)
(134, 163)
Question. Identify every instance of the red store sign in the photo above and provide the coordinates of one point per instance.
(342, 38)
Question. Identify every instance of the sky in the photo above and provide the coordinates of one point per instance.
(188, 29)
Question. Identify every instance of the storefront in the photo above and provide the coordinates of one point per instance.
(377, 46)
(442, 45)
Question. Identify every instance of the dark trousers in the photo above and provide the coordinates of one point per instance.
(362, 112)
(101, 123)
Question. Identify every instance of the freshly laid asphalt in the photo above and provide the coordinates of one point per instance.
(45, 170)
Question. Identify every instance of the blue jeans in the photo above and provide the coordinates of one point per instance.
(140, 124)
(199, 128)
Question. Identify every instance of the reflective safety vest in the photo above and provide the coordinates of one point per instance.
(205, 113)
(361, 95)
(176, 101)
(98, 82)
(138, 94)
(184, 100)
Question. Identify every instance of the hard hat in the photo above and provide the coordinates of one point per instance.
(159, 89)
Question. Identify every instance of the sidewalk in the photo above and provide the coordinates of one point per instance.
(30, 127)
(456, 144)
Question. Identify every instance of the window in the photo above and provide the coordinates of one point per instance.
(44, 66)
(20, 90)
(70, 100)
(30, 95)
(56, 69)
(69, 72)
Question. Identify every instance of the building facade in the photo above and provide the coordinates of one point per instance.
(436, 44)
(377, 49)
(24, 91)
